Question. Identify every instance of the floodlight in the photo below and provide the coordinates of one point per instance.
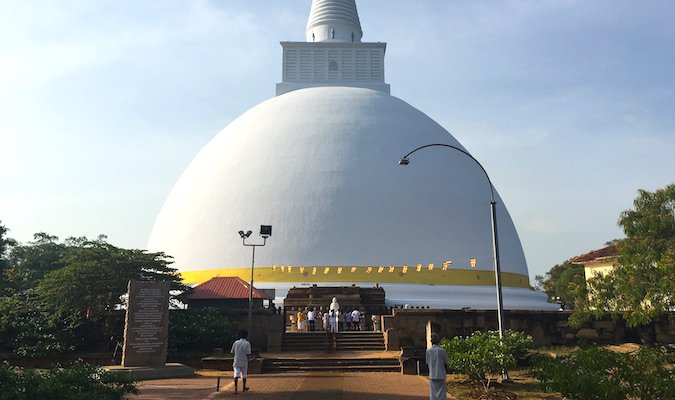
(265, 231)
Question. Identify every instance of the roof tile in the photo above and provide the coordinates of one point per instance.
(605, 252)
(225, 287)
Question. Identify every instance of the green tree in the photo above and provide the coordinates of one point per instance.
(87, 292)
(642, 287)
(28, 263)
(69, 295)
(562, 284)
(5, 243)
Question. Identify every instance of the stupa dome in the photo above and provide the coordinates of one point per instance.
(320, 165)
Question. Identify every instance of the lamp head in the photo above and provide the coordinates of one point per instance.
(403, 161)
(265, 231)
(244, 235)
(248, 233)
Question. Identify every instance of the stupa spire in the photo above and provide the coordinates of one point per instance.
(333, 21)
(333, 54)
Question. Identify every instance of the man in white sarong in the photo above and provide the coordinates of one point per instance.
(241, 350)
(437, 360)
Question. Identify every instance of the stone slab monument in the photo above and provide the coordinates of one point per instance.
(146, 327)
(146, 334)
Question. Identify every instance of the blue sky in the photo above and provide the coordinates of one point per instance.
(569, 105)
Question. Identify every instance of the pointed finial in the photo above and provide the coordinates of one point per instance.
(334, 21)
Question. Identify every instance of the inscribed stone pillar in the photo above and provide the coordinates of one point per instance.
(146, 327)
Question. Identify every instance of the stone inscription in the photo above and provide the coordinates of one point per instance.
(146, 325)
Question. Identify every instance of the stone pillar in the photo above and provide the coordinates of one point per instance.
(146, 325)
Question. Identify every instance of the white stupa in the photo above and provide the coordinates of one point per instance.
(319, 162)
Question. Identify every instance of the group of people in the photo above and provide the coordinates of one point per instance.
(311, 320)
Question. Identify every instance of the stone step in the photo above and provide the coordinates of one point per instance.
(344, 341)
(332, 364)
(359, 340)
(339, 348)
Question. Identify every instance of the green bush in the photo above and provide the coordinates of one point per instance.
(482, 354)
(27, 330)
(78, 381)
(199, 329)
(594, 373)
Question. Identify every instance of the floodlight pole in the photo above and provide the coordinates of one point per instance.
(244, 236)
(495, 242)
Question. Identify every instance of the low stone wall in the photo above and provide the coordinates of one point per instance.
(408, 327)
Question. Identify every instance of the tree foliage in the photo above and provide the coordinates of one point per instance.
(28, 263)
(199, 329)
(5, 244)
(595, 373)
(563, 283)
(642, 287)
(68, 295)
(28, 329)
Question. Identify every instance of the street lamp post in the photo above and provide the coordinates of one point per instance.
(265, 232)
(495, 242)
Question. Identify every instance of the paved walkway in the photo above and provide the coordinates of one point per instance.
(292, 386)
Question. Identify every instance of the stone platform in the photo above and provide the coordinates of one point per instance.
(168, 371)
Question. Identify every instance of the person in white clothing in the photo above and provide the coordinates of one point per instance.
(241, 350)
(333, 321)
(437, 360)
(356, 315)
(311, 318)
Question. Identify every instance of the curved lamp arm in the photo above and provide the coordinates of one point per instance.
(405, 160)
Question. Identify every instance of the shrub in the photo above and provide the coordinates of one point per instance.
(199, 329)
(27, 329)
(594, 373)
(483, 354)
(78, 381)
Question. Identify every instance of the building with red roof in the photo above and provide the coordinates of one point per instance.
(598, 262)
(226, 293)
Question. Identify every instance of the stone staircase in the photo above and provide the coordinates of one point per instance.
(323, 363)
(343, 351)
(359, 341)
(318, 351)
(341, 341)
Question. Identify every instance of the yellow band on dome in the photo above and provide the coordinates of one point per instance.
(361, 274)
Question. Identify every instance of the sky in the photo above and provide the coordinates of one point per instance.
(569, 105)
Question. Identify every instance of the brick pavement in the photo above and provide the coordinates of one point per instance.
(293, 386)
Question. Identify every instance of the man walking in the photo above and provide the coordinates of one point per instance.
(241, 350)
(437, 360)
